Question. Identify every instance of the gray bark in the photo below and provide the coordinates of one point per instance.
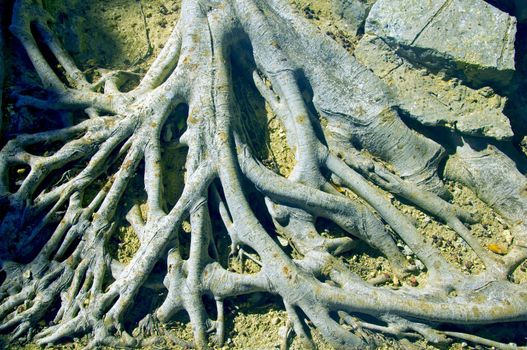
(289, 57)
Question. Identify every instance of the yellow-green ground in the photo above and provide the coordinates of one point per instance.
(113, 34)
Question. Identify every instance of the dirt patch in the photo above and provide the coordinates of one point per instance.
(125, 245)
(114, 34)
(118, 34)
(321, 14)
(280, 156)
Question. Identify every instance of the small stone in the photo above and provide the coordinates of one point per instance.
(486, 91)
(352, 13)
(163, 10)
(275, 321)
(419, 265)
(396, 281)
(413, 281)
(186, 227)
(497, 248)
(283, 241)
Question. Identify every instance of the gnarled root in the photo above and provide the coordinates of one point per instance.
(128, 130)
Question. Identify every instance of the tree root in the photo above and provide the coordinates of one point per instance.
(122, 140)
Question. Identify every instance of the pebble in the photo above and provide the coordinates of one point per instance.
(419, 265)
(396, 281)
(486, 92)
(163, 10)
(508, 236)
(497, 248)
(413, 281)
(162, 23)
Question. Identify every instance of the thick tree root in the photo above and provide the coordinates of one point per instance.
(122, 138)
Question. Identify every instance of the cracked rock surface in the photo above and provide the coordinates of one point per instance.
(434, 100)
(466, 36)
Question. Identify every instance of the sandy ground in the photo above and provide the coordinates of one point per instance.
(118, 34)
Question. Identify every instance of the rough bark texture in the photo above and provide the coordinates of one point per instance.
(54, 233)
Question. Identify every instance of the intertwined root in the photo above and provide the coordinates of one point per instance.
(269, 47)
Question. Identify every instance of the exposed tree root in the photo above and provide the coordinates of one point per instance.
(75, 216)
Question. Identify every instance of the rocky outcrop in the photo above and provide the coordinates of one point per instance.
(432, 100)
(469, 39)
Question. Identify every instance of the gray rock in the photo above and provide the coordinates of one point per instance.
(352, 12)
(432, 100)
(467, 38)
